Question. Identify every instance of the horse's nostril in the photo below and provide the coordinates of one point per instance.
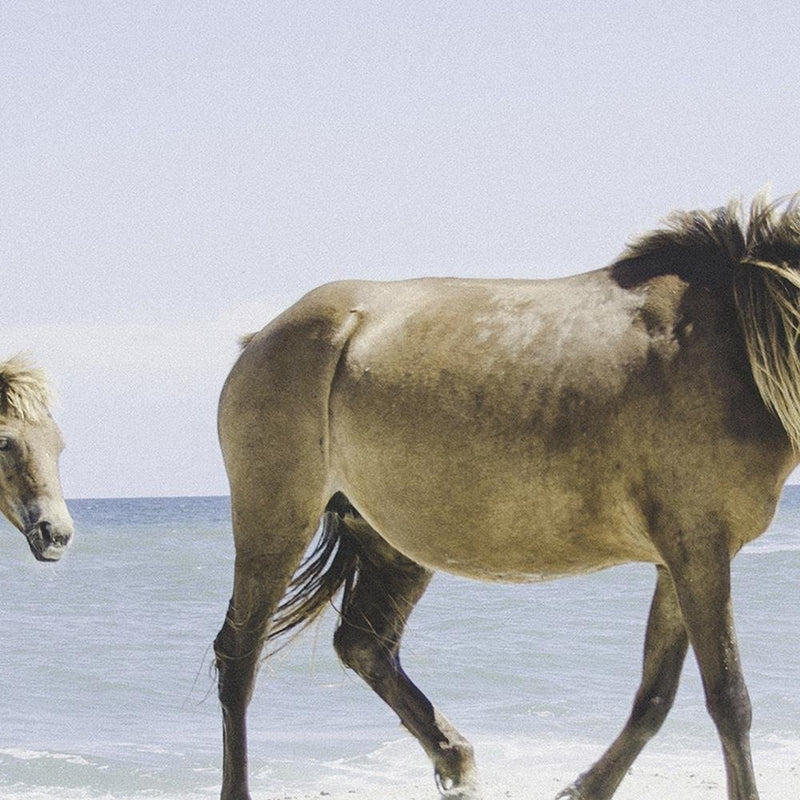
(46, 530)
(63, 537)
(54, 535)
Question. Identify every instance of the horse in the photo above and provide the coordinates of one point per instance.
(518, 430)
(30, 444)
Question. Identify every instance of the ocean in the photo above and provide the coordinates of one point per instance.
(108, 688)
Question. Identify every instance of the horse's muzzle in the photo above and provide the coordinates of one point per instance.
(48, 541)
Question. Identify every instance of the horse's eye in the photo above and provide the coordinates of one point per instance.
(5, 443)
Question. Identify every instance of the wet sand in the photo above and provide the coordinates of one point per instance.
(542, 773)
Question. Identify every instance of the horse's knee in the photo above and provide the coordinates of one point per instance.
(731, 711)
(235, 667)
(222, 645)
(650, 712)
(223, 661)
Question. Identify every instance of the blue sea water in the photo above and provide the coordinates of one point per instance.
(108, 689)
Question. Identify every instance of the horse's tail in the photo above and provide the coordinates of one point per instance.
(767, 296)
(332, 562)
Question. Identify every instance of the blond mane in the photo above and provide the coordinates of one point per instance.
(767, 294)
(758, 255)
(25, 392)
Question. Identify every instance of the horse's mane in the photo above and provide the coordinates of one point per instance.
(704, 245)
(756, 255)
(25, 392)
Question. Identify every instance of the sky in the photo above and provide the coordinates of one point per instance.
(175, 174)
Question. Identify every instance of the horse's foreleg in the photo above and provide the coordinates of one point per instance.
(263, 570)
(664, 653)
(368, 641)
(702, 581)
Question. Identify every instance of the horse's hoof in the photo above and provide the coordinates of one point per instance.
(448, 789)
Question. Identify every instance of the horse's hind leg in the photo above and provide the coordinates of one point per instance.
(368, 641)
(268, 550)
(666, 643)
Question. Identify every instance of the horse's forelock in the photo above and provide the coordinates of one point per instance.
(25, 392)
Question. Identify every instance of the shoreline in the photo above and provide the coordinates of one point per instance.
(509, 769)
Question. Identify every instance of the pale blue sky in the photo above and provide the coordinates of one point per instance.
(175, 173)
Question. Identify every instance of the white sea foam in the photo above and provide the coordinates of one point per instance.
(22, 754)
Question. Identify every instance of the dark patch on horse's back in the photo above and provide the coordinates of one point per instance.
(700, 248)
(660, 313)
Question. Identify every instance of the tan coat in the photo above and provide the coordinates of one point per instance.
(518, 430)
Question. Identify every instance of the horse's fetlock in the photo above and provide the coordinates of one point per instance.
(455, 761)
(455, 772)
(465, 752)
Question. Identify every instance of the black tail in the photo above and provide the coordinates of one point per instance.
(332, 562)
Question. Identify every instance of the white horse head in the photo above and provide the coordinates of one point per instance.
(30, 445)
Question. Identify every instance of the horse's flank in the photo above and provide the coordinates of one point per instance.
(25, 391)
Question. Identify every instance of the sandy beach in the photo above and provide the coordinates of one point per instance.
(539, 773)
(641, 784)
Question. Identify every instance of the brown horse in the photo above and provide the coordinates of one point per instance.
(30, 444)
(518, 431)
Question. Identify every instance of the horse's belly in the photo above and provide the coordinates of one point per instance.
(505, 562)
(514, 539)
